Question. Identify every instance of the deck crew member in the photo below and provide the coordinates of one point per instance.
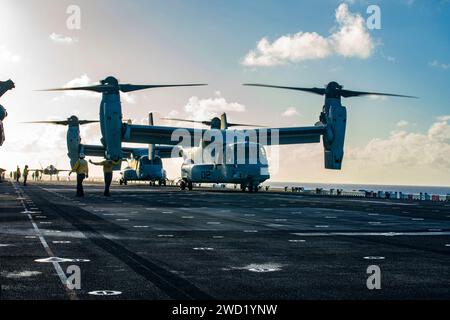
(25, 175)
(18, 174)
(108, 166)
(81, 168)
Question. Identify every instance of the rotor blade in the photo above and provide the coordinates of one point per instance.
(61, 123)
(349, 94)
(83, 122)
(318, 91)
(206, 123)
(97, 88)
(130, 87)
(122, 87)
(244, 125)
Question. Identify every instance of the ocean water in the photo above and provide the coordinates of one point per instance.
(431, 190)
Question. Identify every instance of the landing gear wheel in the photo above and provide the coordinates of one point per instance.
(251, 187)
(183, 185)
(243, 187)
(190, 186)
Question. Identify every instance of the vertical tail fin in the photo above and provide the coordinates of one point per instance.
(223, 122)
(73, 143)
(151, 147)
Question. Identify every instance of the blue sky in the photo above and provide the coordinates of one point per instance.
(207, 41)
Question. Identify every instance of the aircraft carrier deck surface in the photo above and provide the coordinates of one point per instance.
(151, 243)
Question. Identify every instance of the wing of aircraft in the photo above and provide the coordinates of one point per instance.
(96, 151)
(164, 152)
(174, 135)
(161, 135)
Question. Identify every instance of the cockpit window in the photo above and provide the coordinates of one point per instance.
(246, 153)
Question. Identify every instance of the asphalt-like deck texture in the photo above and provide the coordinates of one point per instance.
(150, 243)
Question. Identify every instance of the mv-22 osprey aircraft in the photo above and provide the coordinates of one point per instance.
(225, 167)
(146, 163)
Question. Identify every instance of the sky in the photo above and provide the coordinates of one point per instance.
(225, 44)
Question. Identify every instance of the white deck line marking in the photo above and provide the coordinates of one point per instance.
(382, 234)
(62, 276)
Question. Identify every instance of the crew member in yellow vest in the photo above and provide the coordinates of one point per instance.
(108, 166)
(81, 168)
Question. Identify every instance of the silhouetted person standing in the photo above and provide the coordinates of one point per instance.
(81, 168)
(108, 166)
(18, 174)
(25, 175)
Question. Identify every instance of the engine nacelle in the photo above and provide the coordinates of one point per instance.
(73, 144)
(3, 113)
(334, 140)
(111, 125)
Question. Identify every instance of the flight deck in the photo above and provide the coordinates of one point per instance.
(161, 243)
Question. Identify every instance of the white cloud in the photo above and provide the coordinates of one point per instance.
(128, 98)
(443, 118)
(50, 138)
(84, 81)
(81, 81)
(205, 109)
(61, 39)
(173, 114)
(405, 157)
(351, 39)
(437, 64)
(295, 48)
(407, 149)
(402, 123)
(290, 112)
(9, 56)
(391, 59)
(377, 97)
